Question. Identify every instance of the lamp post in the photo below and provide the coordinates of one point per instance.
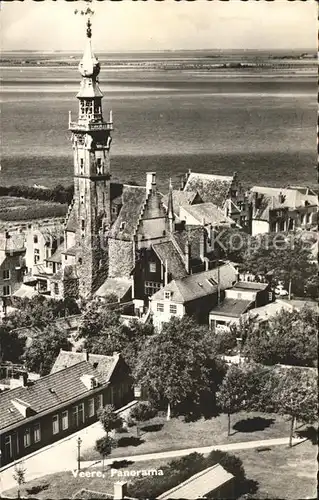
(79, 441)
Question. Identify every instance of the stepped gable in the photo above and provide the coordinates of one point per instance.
(211, 188)
(167, 253)
(133, 199)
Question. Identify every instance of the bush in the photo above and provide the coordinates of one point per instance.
(142, 412)
(181, 469)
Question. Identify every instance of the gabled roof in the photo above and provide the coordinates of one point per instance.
(198, 285)
(47, 392)
(167, 252)
(114, 286)
(12, 242)
(180, 199)
(104, 365)
(199, 485)
(211, 188)
(57, 256)
(292, 198)
(208, 213)
(192, 235)
(233, 308)
(133, 198)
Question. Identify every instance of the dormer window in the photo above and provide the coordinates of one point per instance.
(122, 226)
(167, 295)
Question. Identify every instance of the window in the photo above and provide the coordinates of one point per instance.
(98, 402)
(56, 289)
(36, 255)
(26, 438)
(167, 295)
(78, 414)
(82, 224)
(173, 309)
(65, 420)
(151, 287)
(35, 239)
(6, 274)
(91, 407)
(98, 166)
(160, 307)
(152, 267)
(55, 424)
(37, 433)
(8, 446)
(6, 290)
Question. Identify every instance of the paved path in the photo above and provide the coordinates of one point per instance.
(59, 456)
(62, 456)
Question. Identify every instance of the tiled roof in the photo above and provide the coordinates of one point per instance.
(166, 251)
(46, 392)
(292, 198)
(133, 201)
(69, 251)
(52, 233)
(12, 242)
(198, 285)
(103, 364)
(66, 273)
(57, 256)
(71, 222)
(199, 485)
(208, 213)
(231, 307)
(211, 188)
(192, 234)
(26, 291)
(116, 286)
(180, 199)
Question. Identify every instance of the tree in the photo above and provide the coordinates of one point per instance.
(40, 355)
(104, 446)
(109, 419)
(232, 393)
(11, 344)
(179, 365)
(142, 412)
(296, 396)
(289, 338)
(19, 476)
(105, 333)
(231, 244)
(285, 255)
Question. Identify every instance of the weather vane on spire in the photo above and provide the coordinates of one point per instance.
(87, 12)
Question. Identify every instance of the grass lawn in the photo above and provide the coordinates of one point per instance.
(282, 472)
(64, 485)
(160, 435)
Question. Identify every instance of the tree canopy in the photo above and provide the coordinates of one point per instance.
(41, 353)
(179, 365)
(289, 338)
(109, 419)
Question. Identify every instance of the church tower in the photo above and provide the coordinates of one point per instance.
(91, 139)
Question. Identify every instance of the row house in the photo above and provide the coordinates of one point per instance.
(193, 295)
(12, 263)
(237, 301)
(40, 412)
(289, 209)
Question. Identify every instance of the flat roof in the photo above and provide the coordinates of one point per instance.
(231, 307)
(250, 285)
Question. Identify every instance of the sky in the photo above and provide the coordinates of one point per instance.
(150, 25)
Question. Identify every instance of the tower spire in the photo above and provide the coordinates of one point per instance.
(170, 208)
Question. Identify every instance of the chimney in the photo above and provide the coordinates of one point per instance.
(151, 182)
(23, 379)
(166, 273)
(202, 245)
(86, 354)
(187, 256)
(120, 490)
